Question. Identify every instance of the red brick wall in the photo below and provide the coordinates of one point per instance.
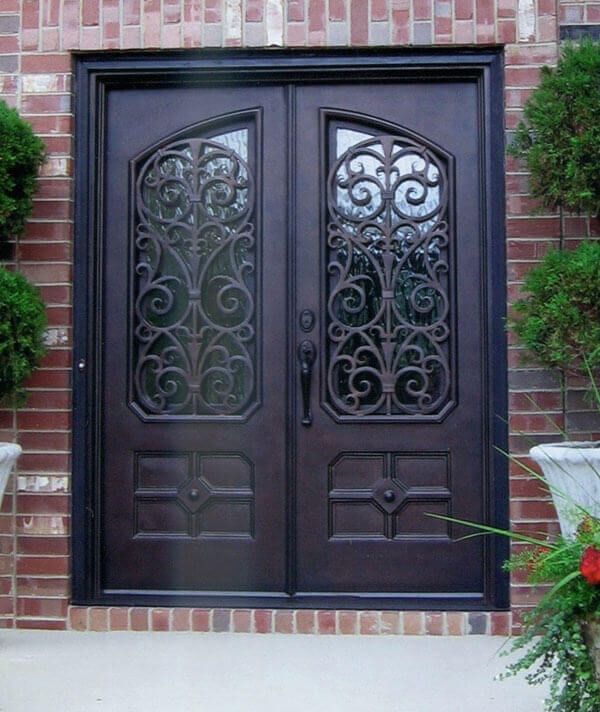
(579, 13)
(36, 38)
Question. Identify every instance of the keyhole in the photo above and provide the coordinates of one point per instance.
(307, 320)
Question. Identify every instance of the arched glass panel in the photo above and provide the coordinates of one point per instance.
(388, 306)
(194, 293)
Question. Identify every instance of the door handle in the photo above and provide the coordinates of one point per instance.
(306, 356)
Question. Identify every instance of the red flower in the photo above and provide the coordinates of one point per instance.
(590, 565)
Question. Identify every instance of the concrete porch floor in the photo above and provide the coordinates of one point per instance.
(222, 672)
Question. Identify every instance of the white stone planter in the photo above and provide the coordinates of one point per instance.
(572, 469)
(9, 452)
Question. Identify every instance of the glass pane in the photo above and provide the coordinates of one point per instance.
(237, 141)
(194, 323)
(388, 310)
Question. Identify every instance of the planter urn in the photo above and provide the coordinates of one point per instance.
(572, 470)
(9, 452)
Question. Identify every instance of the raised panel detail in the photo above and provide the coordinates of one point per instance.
(161, 472)
(194, 268)
(358, 519)
(194, 495)
(389, 339)
(385, 495)
(160, 517)
(227, 518)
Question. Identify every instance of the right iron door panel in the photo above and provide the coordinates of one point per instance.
(390, 260)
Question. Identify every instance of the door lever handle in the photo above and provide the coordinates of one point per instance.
(306, 356)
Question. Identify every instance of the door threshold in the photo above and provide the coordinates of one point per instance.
(303, 601)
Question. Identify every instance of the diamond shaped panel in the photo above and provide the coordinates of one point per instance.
(389, 494)
(194, 495)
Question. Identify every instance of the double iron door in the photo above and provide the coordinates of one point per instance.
(292, 342)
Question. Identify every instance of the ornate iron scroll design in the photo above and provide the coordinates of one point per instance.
(194, 350)
(387, 285)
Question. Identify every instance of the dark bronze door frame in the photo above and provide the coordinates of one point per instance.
(351, 418)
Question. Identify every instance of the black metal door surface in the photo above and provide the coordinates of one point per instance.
(193, 469)
(391, 264)
(291, 343)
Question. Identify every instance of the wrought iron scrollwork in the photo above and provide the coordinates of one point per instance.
(194, 347)
(388, 306)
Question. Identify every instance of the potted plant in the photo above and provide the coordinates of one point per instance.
(22, 325)
(561, 634)
(559, 641)
(22, 314)
(558, 319)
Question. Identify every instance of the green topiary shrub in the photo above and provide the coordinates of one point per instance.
(21, 154)
(559, 319)
(560, 136)
(22, 324)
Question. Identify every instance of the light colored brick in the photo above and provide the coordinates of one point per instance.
(422, 33)
(212, 36)
(254, 34)
(526, 20)
(274, 20)
(233, 20)
(368, 622)
(40, 83)
(413, 623)
(455, 623)
(338, 33)
(379, 33)
(434, 623)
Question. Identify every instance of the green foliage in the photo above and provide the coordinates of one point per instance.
(552, 640)
(22, 324)
(21, 154)
(560, 136)
(551, 643)
(559, 319)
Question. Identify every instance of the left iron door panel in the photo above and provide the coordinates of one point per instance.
(193, 203)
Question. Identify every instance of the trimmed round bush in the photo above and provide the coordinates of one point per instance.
(22, 325)
(21, 154)
(559, 318)
(559, 139)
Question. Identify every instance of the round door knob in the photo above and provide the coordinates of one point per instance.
(193, 494)
(389, 495)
